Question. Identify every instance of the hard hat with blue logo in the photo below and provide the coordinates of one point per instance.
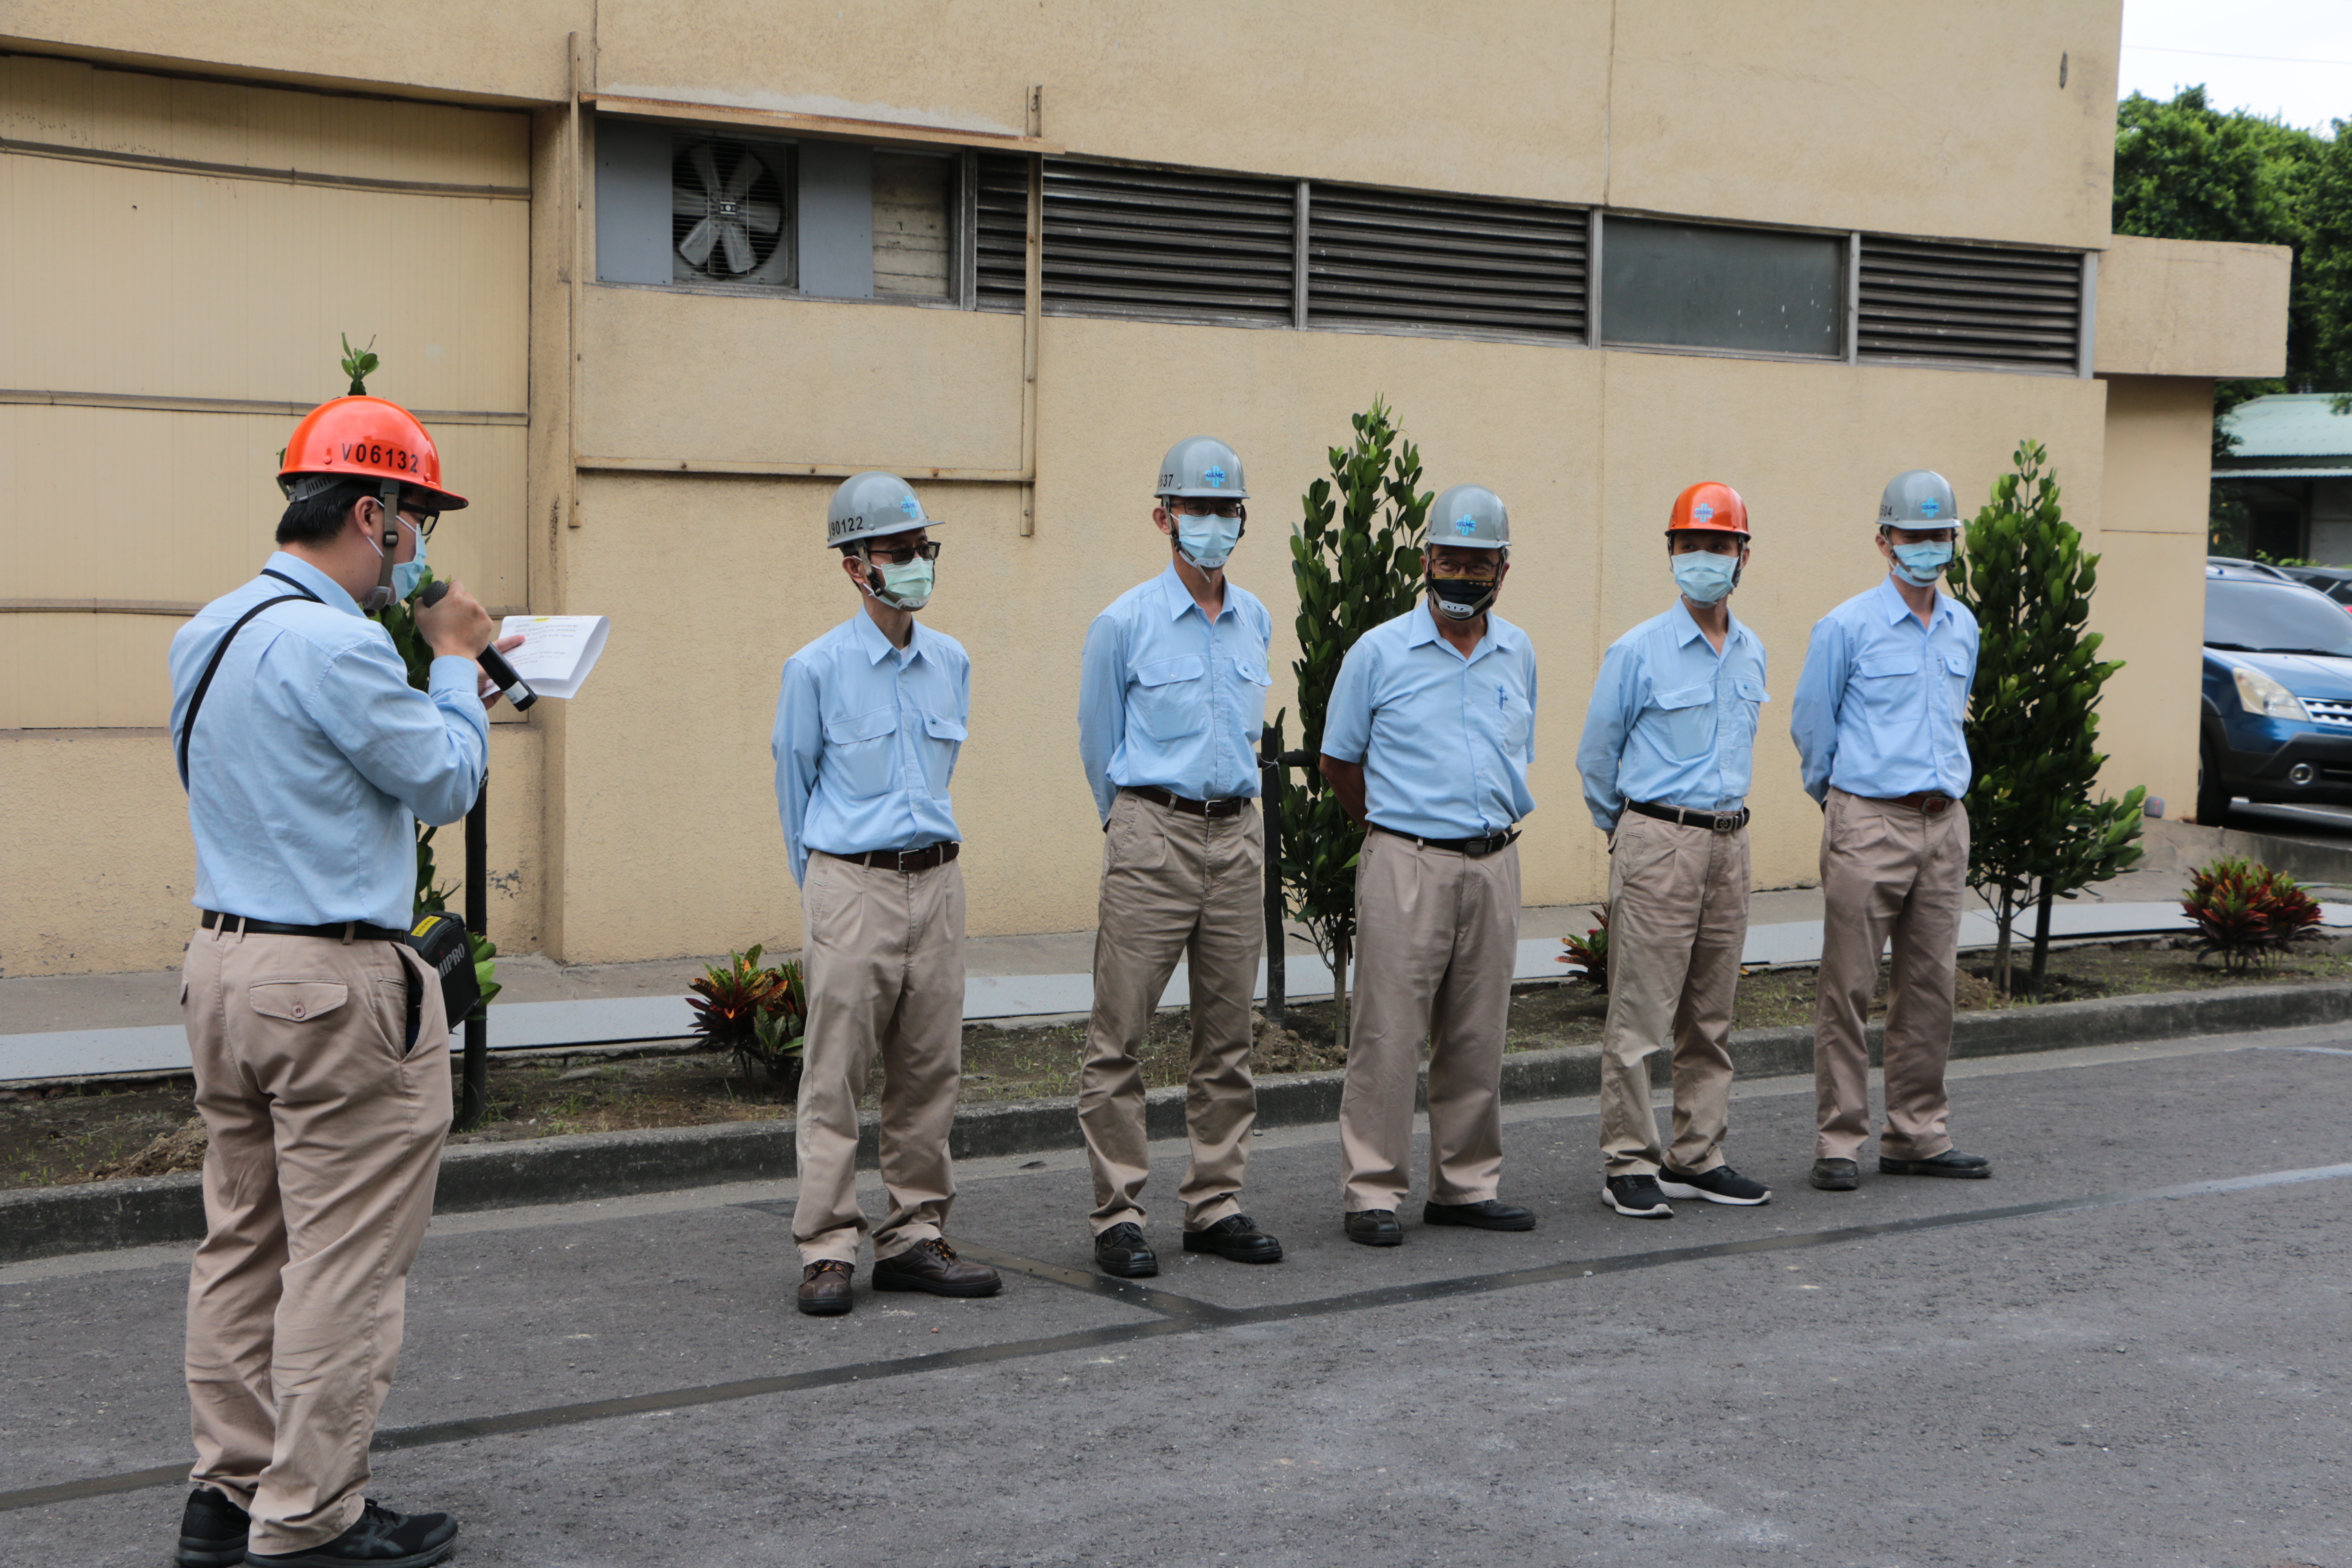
(1202, 467)
(1471, 517)
(1921, 498)
(869, 505)
(1709, 508)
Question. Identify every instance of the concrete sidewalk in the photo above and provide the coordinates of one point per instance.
(59, 1026)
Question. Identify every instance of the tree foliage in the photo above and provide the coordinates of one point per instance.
(2185, 170)
(2035, 832)
(1356, 558)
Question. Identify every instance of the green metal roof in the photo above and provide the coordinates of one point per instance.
(2287, 424)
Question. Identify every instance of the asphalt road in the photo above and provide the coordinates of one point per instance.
(2128, 1348)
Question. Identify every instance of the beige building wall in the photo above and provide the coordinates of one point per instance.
(638, 821)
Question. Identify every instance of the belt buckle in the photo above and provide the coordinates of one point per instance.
(1726, 823)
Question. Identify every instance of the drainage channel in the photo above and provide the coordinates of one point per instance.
(1175, 1314)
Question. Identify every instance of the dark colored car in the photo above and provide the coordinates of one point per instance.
(2278, 692)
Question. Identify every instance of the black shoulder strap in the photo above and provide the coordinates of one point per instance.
(212, 667)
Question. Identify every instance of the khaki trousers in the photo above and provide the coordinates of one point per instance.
(1677, 924)
(1437, 936)
(883, 960)
(1174, 886)
(1888, 870)
(326, 1130)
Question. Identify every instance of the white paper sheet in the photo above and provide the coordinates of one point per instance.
(557, 652)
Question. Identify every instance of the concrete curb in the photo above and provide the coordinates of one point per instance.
(45, 1222)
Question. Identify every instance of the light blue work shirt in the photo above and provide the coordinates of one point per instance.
(313, 757)
(1673, 722)
(1169, 699)
(866, 741)
(1446, 740)
(1878, 708)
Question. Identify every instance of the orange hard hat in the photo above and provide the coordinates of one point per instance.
(367, 439)
(1709, 508)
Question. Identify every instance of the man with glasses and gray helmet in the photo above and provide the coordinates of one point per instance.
(1171, 695)
(868, 727)
(1876, 720)
(1428, 738)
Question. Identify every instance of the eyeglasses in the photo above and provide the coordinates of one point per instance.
(424, 522)
(1464, 571)
(900, 554)
(1207, 507)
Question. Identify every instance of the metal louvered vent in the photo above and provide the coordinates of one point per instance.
(1141, 242)
(1969, 305)
(1451, 263)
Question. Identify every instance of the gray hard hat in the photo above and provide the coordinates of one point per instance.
(1921, 498)
(869, 505)
(1201, 466)
(1471, 517)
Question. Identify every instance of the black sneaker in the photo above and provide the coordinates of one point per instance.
(1123, 1253)
(1951, 1163)
(381, 1539)
(1636, 1195)
(1721, 1185)
(1835, 1175)
(212, 1530)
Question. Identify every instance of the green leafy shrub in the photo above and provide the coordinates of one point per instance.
(759, 1014)
(2247, 913)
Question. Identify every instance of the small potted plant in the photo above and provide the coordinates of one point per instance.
(755, 1012)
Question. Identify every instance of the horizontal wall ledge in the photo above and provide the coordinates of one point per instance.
(824, 126)
(249, 172)
(798, 470)
(154, 404)
(183, 609)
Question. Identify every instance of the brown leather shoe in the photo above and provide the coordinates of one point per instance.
(933, 1266)
(825, 1289)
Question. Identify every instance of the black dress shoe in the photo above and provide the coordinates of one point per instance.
(1951, 1163)
(212, 1530)
(1123, 1253)
(1373, 1228)
(381, 1539)
(1236, 1237)
(1490, 1214)
(825, 1289)
(1836, 1175)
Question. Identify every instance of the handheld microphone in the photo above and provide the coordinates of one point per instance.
(494, 663)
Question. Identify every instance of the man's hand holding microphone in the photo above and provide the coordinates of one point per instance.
(455, 625)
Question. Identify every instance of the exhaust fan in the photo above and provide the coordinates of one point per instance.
(728, 213)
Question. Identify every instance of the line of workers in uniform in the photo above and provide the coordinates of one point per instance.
(1427, 740)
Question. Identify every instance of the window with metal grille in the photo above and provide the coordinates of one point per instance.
(1405, 259)
(1969, 305)
(1141, 242)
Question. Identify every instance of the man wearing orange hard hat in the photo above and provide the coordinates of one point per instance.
(1668, 750)
(320, 1037)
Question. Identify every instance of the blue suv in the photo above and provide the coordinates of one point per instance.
(2278, 693)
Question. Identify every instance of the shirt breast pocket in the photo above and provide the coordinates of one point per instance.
(1690, 714)
(1168, 698)
(858, 753)
(1752, 696)
(1888, 683)
(1956, 668)
(1250, 695)
(943, 739)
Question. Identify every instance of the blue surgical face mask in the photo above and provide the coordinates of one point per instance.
(1705, 576)
(407, 576)
(1921, 564)
(1207, 541)
(906, 585)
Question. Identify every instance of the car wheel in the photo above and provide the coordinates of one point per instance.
(2212, 794)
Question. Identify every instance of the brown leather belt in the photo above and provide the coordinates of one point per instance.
(341, 931)
(1713, 821)
(1930, 803)
(1474, 847)
(904, 860)
(1230, 805)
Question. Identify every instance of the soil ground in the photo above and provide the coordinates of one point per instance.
(93, 1132)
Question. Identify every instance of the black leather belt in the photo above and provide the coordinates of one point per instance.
(1713, 821)
(939, 853)
(1230, 805)
(341, 931)
(1930, 803)
(1474, 847)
